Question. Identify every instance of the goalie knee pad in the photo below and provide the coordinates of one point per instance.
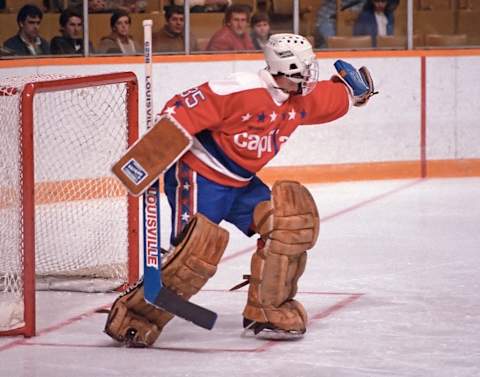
(186, 269)
(288, 225)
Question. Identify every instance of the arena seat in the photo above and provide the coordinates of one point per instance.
(398, 41)
(434, 22)
(349, 42)
(467, 23)
(391, 41)
(202, 43)
(204, 25)
(433, 4)
(345, 21)
(445, 40)
(13, 6)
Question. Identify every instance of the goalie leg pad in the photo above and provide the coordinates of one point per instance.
(194, 260)
(288, 225)
(133, 321)
(186, 269)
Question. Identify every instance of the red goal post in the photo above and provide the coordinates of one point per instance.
(64, 219)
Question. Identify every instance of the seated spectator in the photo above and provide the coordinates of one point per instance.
(233, 36)
(71, 41)
(61, 5)
(131, 6)
(28, 41)
(171, 38)
(98, 6)
(326, 23)
(199, 6)
(119, 41)
(376, 18)
(260, 25)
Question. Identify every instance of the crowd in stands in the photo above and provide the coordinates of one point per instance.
(376, 17)
(242, 29)
(240, 32)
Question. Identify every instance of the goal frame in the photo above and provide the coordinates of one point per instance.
(27, 182)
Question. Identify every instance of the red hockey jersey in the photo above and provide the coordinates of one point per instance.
(240, 123)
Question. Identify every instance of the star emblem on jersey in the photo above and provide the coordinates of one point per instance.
(170, 110)
(185, 217)
(246, 117)
(291, 114)
(273, 116)
(186, 186)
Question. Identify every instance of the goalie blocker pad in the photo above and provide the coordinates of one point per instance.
(151, 155)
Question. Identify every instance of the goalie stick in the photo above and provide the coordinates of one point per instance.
(155, 292)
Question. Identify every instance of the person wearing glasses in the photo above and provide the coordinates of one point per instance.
(376, 18)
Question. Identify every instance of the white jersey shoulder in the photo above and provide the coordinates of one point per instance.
(236, 82)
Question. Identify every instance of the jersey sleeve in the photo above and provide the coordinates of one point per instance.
(196, 109)
(328, 101)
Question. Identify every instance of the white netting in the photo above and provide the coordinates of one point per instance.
(81, 222)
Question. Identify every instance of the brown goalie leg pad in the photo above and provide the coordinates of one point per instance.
(133, 321)
(185, 271)
(273, 284)
(194, 260)
(289, 222)
(288, 225)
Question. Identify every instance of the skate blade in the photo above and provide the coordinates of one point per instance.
(273, 334)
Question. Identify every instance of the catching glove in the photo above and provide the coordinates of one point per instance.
(359, 82)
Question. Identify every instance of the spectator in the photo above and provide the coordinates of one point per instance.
(106, 6)
(260, 25)
(171, 38)
(28, 40)
(97, 6)
(61, 5)
(199, 6)
(132, 6)
(376, 18)
(119, 41)
(71, 41)
(233, 36)
(326, 25)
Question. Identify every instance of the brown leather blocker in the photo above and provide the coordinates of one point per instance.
(288, 225)
(152, 155)
(185, 270)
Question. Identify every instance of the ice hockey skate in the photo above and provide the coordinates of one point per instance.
(268, 331)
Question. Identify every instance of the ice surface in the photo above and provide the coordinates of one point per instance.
(392, 289)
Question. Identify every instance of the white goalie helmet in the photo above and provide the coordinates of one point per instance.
(292, 55)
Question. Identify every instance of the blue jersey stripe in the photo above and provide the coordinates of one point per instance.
(206, 139)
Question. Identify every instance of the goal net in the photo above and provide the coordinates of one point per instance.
(65, 222)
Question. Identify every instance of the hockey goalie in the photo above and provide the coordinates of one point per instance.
(210, 142)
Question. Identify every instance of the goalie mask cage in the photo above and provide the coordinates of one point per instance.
(65, 221)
